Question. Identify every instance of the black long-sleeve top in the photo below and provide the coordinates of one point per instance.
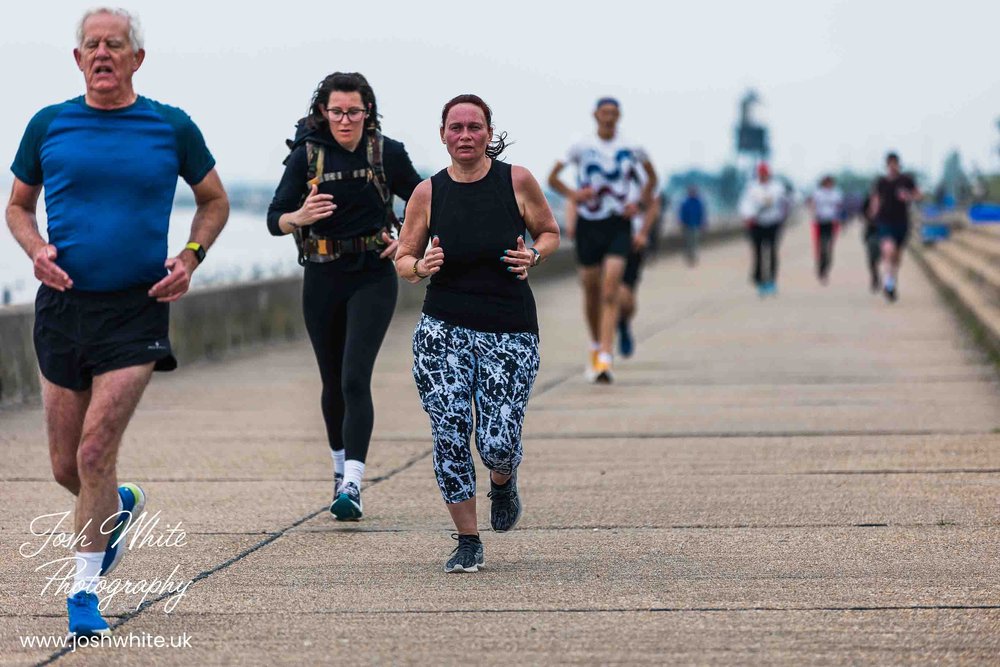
(359, 208)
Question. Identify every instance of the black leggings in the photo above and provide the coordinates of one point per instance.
(761, 236)
(347, 315)
(824, 234)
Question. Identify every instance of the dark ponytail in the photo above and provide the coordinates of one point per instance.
(499, 143)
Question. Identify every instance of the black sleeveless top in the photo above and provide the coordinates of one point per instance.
(476, 222)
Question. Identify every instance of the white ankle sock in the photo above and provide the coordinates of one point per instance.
(604, 358)
(88, 572)
(338, 461)
(353, 472)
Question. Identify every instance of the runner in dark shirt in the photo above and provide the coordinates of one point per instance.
(889, 206)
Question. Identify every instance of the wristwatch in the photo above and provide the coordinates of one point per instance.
(197, 249)
(538, 256)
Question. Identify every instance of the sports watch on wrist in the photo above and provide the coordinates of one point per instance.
(538, 256)
(197, 249)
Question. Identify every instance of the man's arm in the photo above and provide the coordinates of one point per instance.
(23, 224)
(874, 203)
(652, 204)
(209, 218)
(212, 210)
(557, 184)
(914, 193)
(651, 182)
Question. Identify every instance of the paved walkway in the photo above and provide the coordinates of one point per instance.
(811, 478)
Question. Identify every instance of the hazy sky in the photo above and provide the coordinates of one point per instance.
(841, 81)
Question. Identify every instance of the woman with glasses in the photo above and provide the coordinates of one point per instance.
(477, 340)
(336, 197)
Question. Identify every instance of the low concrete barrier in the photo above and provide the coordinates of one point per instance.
(211, 323)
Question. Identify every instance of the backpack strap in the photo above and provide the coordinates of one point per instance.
(375, 145)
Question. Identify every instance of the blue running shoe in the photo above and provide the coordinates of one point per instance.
(133, 503)
(347, 505)
(84, 617)
(626, 344)
(772, 289)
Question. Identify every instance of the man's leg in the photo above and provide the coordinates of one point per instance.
(873, 252)
(690, 246)
(65, 410)
(756, 245)
(825, 249)
(890, 261)
(114, 396)
(626, 303)
(774, 236)
(613, 268)
(817, 239)
(590, 281)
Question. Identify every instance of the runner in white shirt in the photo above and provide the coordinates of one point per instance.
(602, 231)
(763, 208)
(827, 205)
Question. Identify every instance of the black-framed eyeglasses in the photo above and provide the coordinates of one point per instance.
(353, 115)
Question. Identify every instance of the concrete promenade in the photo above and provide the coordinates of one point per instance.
(809, 479)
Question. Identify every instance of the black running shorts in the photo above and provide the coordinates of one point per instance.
(897, 231)
(82, 334)
(595, 239)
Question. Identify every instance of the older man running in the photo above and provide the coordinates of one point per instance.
(108, 162)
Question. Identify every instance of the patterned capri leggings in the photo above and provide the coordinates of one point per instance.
(455, 367)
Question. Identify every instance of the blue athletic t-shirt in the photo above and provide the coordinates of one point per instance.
(109, 180)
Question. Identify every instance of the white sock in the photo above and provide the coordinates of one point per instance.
(604, 358)
(353, 472)
(338, 461)
(88, 572)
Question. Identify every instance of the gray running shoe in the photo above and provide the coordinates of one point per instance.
(505, 509)
(467, 556)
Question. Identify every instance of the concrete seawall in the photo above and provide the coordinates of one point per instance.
(211, 323)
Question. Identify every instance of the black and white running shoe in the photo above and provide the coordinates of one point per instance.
(505, 509)
(347, 505)
(467, 556)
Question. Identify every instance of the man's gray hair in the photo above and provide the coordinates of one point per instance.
(135, 37)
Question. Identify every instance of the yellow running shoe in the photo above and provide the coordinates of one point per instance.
(602, 372)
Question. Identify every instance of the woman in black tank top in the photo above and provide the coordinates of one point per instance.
(477, 340)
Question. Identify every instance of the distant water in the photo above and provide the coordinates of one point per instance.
(244, 251)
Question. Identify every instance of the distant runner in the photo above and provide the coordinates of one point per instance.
(603, 235)
(827, 205)
(892, 195)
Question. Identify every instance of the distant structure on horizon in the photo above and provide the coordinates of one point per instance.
(752, 143)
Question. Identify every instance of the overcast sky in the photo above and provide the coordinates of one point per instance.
(841, 82)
